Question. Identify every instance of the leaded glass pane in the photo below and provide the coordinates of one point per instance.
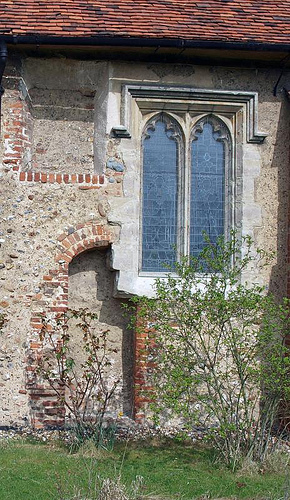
(207, 187)
(159, 220)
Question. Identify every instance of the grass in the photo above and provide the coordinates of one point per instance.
(173, 470)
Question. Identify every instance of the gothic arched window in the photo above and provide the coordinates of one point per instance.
(161, 164)
(183, 195)
(210, 147)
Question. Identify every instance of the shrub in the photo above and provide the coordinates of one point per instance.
(219, 349)
(84, 388)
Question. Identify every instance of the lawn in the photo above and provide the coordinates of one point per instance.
(34, 471)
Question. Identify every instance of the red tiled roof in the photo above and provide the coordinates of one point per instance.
(236, 21)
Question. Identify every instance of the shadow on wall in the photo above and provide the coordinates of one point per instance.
(91, 286)
(280, 279)
(279, 165)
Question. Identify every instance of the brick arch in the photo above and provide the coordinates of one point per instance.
(77, 240)
(46, 410)
(83, 237)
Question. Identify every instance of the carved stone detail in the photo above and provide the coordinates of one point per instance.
(171, 127)
(233, 100)
(218, 128)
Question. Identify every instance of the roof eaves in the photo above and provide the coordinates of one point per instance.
(129, 41)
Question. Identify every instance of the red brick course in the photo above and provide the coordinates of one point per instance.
(144, 341)
(61, 178)
(18, 128)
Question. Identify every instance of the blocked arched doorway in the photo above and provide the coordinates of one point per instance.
(91, 286)
(80, 278)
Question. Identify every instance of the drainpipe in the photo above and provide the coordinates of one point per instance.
(3, 59)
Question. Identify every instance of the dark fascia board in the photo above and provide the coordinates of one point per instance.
(140, 42)
(152, 55)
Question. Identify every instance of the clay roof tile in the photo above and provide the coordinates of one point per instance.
(261, 21)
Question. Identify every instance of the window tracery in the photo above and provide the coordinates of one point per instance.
(161, 162)
(183, 195)
(210, 166)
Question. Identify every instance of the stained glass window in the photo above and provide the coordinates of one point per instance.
(160, 180)
(200, 201)
(207, 204)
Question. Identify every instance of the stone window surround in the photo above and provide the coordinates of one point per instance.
(188, 125)
(137, 104)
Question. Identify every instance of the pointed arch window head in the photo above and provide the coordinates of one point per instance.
(183, 195)
(210, 153)
(161, 160)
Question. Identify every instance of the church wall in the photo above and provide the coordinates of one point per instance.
(68, 186)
